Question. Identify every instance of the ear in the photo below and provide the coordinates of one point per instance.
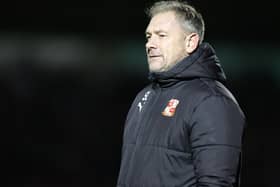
(192, 42)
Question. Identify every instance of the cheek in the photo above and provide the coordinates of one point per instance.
(178, 49)
(171, 45)
(166, 49)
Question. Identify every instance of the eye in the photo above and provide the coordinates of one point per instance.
(162, 35)
(148, 37)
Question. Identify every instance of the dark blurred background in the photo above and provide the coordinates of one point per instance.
(69, 71)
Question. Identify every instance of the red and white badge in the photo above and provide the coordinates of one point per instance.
(170, 109)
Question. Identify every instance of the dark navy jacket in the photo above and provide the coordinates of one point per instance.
(184, 129)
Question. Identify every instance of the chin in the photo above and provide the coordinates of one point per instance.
(155, 66)
(154, 69)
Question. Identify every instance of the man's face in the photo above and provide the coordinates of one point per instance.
(165, 42)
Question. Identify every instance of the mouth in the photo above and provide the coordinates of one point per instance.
(154, 56)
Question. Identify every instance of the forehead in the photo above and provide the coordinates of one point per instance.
(163, 21)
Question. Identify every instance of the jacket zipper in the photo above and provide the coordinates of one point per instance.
(146, 114)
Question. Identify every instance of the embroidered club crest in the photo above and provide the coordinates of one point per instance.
(170, 109)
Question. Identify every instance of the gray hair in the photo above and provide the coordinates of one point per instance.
(190, 19)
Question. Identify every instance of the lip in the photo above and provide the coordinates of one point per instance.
(154, 56)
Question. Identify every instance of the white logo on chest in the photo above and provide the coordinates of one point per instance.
(143, 100)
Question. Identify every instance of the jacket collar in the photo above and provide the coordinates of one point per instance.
(202, 63)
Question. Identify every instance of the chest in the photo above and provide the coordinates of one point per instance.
(158, 119)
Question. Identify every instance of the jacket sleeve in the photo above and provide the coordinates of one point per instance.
(216, 131)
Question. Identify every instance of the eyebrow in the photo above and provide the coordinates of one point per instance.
(157, 32)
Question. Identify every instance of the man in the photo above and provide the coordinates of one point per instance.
(185, 128)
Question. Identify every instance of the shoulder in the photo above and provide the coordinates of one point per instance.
(203, 88)
(214, 97)
(208, 94)
(144, 92)
(217, 89)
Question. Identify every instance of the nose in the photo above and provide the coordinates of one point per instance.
(151, 43)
